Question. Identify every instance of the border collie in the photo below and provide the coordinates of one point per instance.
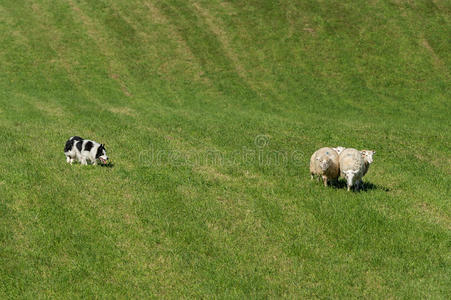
(83, 150)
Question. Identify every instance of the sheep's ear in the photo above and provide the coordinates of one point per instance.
(374, 152)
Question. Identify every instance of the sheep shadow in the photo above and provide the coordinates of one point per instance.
(365, 187)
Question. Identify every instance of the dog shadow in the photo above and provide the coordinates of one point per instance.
(365, 187)
(108, 165)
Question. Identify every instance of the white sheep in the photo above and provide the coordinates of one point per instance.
(339, 149)
(354, 165)
(367, 156)
(324, 164)
(351, 167)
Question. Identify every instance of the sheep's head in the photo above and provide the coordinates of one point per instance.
(368, 155)
(339, 149)
(324, 162)
(349, 176)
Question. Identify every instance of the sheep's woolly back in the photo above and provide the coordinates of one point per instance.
(352, 166)
(351, 160)
(339, 149)
(325, 153)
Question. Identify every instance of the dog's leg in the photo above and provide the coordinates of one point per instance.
(68, 160)
(83, 161)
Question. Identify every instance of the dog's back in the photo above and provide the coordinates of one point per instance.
(70, 143)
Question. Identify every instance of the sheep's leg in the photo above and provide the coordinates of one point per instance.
(349, 180)
(325, 180)
(311, 176)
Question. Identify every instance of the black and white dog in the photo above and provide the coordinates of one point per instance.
(83, 150)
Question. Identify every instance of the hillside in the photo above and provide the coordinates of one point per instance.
(210, 111)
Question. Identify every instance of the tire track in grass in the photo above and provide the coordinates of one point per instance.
(437, 62)
(41, 33)
(182, 49)
(40, 21)
(10, 22)
(208, 50)
(228, 48)
(223, 39)
(116, 69)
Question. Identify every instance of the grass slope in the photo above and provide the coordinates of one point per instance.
(210, 111)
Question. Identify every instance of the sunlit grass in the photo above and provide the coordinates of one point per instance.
(210, 111)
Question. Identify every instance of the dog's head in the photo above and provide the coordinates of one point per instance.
(101, 154)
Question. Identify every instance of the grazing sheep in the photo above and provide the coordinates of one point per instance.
(352, 167)
(339, 149)
(324, 163)
(367, 156)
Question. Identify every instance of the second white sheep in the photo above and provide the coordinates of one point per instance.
(324, 163)
(354, 165)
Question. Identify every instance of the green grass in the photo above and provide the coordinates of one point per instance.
(210, 111)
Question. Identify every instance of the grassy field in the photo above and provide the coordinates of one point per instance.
(210, 111)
